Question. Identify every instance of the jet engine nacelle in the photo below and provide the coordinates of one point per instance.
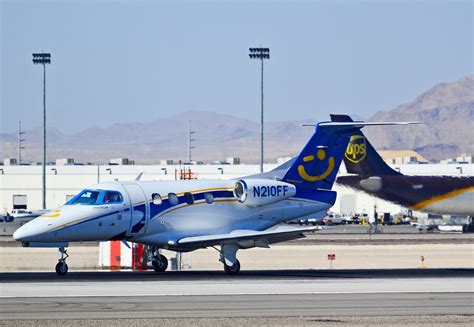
(258, 192)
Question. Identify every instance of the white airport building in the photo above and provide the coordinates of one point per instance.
(21, 186)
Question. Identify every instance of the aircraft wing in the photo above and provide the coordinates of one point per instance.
(260, 238)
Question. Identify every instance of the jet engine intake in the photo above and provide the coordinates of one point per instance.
(259, 192)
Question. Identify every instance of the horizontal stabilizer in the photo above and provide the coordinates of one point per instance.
(318, 163)
(360, 124)
(242, 235)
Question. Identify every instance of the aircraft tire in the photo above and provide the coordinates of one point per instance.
(232, 270)
(61, 268)
(160, 265)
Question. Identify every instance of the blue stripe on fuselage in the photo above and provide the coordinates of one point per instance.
(156, 209)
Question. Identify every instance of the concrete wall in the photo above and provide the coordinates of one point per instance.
(64, 181)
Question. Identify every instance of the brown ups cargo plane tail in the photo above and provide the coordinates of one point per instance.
(433, 194)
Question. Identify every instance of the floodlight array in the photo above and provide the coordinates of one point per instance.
(259, 53)
(41, 58)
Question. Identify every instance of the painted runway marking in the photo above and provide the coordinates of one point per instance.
(125, 295)
(63, 288)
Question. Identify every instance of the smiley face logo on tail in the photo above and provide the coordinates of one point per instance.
(321, 154)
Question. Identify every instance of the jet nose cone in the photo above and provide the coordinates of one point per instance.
(22, 233)
(29, 232)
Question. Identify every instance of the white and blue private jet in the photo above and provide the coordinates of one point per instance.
(187, 215)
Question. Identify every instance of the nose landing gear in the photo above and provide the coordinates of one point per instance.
(159, 261)
(61, 266)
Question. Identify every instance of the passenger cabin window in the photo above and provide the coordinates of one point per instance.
(156, 199)
(86, 198)
(112, 197)
(209, 198)
(173, 198)
(188, 198)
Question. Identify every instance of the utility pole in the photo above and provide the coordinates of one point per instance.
(190, 141)
(20, 141)
(261, 54)
(43, 59)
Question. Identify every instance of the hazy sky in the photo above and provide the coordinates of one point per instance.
(119, 61)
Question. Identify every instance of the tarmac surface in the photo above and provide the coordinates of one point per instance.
(368, 297)
(278, 257)
(287, 285)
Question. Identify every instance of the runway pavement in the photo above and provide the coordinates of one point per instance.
(217, 275)
(259, 305)
(253, 295)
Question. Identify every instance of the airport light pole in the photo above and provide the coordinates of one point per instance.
(261, 54)
(190, 141)
(20, 141)
(43, 59)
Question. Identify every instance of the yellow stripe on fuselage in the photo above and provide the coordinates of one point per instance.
(195, 203)
(220, 200)
(200, 191)
(425, 203)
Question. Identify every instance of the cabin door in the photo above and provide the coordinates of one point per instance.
(139, 210)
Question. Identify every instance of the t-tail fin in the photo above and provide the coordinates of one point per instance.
(319, 161)
(360, 156)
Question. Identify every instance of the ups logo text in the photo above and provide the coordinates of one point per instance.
(356, 149)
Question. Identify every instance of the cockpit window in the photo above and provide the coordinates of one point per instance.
(112, 197)
(86, 197)
(96, 197)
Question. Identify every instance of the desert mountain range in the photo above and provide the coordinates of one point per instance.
(446, 111)
(447, 114)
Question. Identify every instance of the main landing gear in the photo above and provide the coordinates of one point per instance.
(233, 269)
(159, 261)
(228, 258)
(61, 267)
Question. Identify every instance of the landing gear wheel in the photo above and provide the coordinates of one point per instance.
(61, 268)
(161, 264)
(234, 269)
